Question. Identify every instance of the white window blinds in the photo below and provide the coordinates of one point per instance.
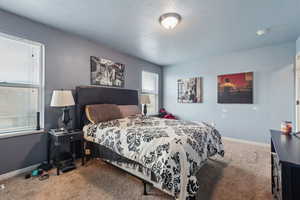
(150, 87)
(20, 84)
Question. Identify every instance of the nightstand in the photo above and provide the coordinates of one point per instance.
(62, 147)
(153, 115)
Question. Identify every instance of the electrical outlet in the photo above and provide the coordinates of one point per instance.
(87, 152)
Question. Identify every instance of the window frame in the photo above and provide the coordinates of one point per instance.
(155, 92)
(9, 132)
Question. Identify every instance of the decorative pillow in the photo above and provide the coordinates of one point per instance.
(102, 112)
(129, 110)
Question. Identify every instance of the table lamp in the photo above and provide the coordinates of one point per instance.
(63, 99)
(145, 99)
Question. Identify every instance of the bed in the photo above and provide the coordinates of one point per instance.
(164, 153)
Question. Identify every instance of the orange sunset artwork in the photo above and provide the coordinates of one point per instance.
(235, 88)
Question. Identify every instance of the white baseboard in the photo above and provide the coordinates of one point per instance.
(246, 141)
(18, 172)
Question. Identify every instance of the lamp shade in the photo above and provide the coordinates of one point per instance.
(62, 98)
(145, 99)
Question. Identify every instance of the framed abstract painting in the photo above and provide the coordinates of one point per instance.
(235, 88)
(190, 90)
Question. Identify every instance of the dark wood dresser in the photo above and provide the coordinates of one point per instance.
(285, 160)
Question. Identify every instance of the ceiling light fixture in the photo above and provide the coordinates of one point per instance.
(262, 32)
(169, 20)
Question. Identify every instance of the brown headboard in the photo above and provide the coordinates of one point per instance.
(86, 95)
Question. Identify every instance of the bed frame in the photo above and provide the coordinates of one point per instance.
(86, 95)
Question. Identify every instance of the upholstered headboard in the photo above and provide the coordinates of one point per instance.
(86, 95)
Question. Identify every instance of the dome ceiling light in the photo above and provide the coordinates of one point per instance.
(262, 32)
(169, 20)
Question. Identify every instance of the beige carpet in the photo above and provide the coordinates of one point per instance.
(244, 173)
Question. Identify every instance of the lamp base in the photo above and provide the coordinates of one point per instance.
(65, 118)
(145, 109)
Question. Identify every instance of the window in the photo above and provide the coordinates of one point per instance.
(21, 84)
(150, 87)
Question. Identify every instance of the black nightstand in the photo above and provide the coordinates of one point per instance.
(153, 115)
(62, 148)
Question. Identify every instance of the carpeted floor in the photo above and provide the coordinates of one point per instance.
(244, 174)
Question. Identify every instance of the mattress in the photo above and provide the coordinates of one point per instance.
(174, 150)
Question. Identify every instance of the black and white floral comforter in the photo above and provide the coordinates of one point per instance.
(174, 150)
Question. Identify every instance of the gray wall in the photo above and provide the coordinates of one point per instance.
(67, 65)
(273, 91)
(23, 151)
(298, 45)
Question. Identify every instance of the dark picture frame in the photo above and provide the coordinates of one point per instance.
(189, 90)
(235, 88)
(105, 72)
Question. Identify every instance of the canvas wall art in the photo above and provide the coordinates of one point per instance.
(236, 88)
(106, 72)
(190, 90)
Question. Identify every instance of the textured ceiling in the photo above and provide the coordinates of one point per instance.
(208, 27)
